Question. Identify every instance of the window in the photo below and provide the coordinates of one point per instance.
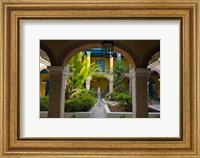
(101, 64)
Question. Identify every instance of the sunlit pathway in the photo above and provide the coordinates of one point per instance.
(98, 111)
(155, 105)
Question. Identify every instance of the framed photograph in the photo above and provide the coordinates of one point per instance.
(99, 79)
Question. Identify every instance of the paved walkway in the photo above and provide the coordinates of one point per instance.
(155, 105)
(99, 111)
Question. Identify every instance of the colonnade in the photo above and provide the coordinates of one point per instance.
(138, 88)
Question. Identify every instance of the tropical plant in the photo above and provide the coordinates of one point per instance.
(125, 102)
(119, 74)
(44, 101)
(81, 71)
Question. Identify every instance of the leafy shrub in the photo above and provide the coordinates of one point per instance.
(82, 92)
(86, 93)
(73, 116)
(44, 101)
(119, 74)
(112, 96)
(88, 101)
(122, 116)
(123, 99)
(125, 102)
(72, 105)
(81, 103)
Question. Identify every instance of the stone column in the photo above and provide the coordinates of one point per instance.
(139, 93)
(87, 83)
(89, 57)
(111, 65)
(130, 67)
(43, 88)
(130, 86)
(57, 91)
(111, 86)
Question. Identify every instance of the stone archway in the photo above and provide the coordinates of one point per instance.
(154, 85)
(109, 85)
(78, 47)
(58, 73)
(103, 83)
(49, 53)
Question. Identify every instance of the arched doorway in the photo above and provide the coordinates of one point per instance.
(101, 82)
(154, 86)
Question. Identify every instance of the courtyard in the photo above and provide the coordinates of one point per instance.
(99, 79)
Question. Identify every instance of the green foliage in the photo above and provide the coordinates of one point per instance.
(44, 101)
(125, 102)
(72, 105)
(81, 71)
(81, 103)
(122, 116)
(119, 74)
(112, 96)
(82, 92)
(73, 116)
(123, 99)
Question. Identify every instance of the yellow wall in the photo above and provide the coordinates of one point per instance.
(104, 85)
(104, 82)
(106, 62)
(42, 85)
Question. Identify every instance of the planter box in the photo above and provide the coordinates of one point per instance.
(116, 114)
(43, 114)
(127, 114)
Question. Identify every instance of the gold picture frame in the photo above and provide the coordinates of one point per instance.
(14, 11)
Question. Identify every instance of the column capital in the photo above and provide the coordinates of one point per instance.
(89, 78)
(43, 82)
(140, 72)
(131, 72)
(88, 52)
(57, 69)
(111, 83)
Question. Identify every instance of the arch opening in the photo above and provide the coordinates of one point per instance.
(74, 51)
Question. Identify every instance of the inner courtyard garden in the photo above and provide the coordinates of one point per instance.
(98, 79)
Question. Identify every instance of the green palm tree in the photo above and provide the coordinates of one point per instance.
(81, 71)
